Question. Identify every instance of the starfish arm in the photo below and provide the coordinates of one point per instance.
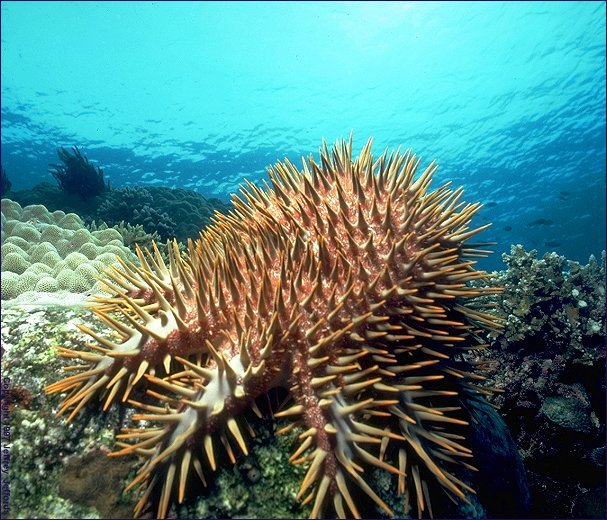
(335, 445)
(150, 322)
(203, 406)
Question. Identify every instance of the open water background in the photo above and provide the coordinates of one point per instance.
(508, 97)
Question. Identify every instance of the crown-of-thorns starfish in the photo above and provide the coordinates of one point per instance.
(345, 283)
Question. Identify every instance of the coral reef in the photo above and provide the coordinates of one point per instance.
(6, 183)
(263, 485)
(55, 199)
(51, 252)
(344, 284)
(132, 236)
(551, 300)
(136, 206)
(550, 362)
(170, 212)
(77, 175)
(189, 209)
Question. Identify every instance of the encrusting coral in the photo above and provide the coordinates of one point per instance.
(49, 252)
(344, 283)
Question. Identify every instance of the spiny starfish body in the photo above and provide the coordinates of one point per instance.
(346, 284)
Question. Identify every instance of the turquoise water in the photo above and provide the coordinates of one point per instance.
(509, 98)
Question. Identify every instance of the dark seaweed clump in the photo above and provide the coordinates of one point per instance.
(6, 183)
(77, 175)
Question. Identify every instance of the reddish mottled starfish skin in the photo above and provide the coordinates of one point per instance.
(345, 283)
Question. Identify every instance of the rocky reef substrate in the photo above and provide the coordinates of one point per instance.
(549, 363)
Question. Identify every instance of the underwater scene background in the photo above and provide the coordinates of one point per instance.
(508, 98)
(333, 347)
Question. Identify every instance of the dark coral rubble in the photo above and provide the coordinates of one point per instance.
(550, 363)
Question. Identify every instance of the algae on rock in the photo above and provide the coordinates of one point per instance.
(42, 443)
(262, 485)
